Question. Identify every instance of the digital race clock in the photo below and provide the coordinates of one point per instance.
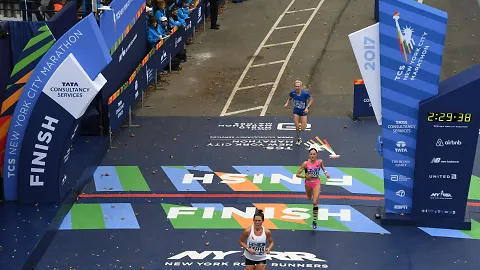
(449, 117)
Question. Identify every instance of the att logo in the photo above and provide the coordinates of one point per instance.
(69, 83)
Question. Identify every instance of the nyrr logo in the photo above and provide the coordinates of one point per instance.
(285, 259)
(277, 217)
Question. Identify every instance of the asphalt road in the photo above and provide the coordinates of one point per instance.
(323, 58)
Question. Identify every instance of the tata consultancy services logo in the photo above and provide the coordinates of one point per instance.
(401, 147)
(405, 37)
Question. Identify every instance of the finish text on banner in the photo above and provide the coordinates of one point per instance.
(64, 100)
(85, 43)
(412, 37)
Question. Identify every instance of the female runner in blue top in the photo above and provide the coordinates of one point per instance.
(300, 107)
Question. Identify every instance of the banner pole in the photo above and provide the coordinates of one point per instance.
(170, 64)
(110, 138)
(130, 125)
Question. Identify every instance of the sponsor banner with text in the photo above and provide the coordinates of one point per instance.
(52, 101)
(412, 37)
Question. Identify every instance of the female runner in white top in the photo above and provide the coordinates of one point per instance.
(256, 249)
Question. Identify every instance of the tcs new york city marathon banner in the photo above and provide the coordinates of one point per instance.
(429, 130)
(59, 90)
(412, 37)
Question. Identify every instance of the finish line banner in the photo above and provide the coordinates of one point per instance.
(412, 37)
(59, 90)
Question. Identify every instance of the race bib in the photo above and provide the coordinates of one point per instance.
(258, 248)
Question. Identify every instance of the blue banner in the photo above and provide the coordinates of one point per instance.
(5, 59)
(197, 14)
(126, 58)
(117, 22)
(118, 107)
(83, 54)
(412, 37)
(446, 147)
(362, 107)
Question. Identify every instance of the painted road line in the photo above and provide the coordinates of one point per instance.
(131, 178)
(289, 26)
(254, 86)
(233, 196)
(278, 216)
(287, 59)
(240, 80)
(301, 10)
(474, 233)
(279, 44)
(176, 176)
(99, 216)
(119, 178)
(106, 179)
(270, 63)
(223, 195)
(244, 110)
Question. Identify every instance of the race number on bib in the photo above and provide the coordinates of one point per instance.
(258, 248)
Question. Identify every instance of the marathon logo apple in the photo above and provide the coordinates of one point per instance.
(44, 138)
(212, 258)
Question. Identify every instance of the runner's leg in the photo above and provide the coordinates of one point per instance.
(303, 118)
(296, 120)
(260, 267)
(316, 194)
(309, 192)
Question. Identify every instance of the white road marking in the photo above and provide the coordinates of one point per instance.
(294, 11)
(272, 92)
(285, 62)
(242, 111)
(278, 44)
(256, 85)
(270, 63)
(290, 26)
(237, 86)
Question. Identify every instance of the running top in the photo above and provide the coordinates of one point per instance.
(258, 244)
(299, 102)
(314, 168)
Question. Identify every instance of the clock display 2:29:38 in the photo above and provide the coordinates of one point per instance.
(449, 117)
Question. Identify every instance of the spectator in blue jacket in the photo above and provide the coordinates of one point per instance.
(160, 10)
(174, 19)
(183, 12)
(163, 28)
(153, 33)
